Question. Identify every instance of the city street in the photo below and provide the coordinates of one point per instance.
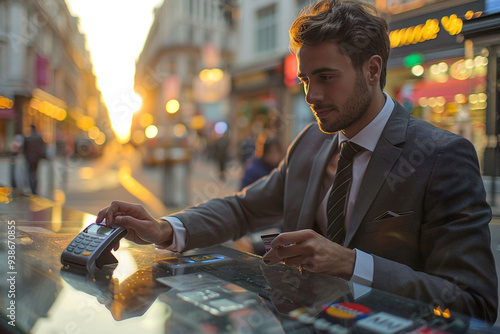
(91, 184)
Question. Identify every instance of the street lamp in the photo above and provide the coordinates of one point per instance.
(172, 106)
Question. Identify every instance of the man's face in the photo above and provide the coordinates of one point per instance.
(336, 92)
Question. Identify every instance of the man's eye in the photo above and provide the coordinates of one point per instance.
(326, 77)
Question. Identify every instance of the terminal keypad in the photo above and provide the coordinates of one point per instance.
(84, 244)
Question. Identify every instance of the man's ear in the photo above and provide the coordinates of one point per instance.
(373, 69)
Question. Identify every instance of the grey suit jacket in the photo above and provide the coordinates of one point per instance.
(435, 249)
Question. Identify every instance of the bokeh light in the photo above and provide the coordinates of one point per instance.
(220, 128)
(172, 106)
(151, 131)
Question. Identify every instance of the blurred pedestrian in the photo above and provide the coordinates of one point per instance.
(246, 149)
(34, 151)
(268, 154)
(16, 180)
(221, 154)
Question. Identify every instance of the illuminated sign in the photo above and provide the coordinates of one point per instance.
(415, 34)
(48, 109)
(290, 71)
(6, 103)
(414, 59)
(425, 32)
(452, 24)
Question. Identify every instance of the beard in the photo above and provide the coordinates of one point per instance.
(350, 112)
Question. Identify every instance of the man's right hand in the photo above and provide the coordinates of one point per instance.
(142, 228)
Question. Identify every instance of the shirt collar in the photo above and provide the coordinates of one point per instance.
(368, 136)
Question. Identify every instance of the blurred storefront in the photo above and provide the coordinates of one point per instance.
(257, 92)
(182, 76)
(481, 32)
(268, 96)
(432, 75)
(45, 73)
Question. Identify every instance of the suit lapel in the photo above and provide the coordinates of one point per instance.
(384, 157)
(316, 177)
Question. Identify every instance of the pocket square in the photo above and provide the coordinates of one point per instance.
(391, 214)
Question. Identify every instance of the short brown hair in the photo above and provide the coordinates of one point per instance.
(357, 27)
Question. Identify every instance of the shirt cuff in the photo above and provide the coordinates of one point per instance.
(363, 268)
(179, 236)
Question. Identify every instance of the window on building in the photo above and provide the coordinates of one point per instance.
(3, 60)
(3, 17)
(206, 14)
(266, 29)
(191, 7)
(190, 34)
(302, 3)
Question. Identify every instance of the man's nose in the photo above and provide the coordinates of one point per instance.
(313, 95)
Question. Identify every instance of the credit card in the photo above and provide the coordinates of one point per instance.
(267, 239)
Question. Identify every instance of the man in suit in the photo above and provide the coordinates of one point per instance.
(415, 222)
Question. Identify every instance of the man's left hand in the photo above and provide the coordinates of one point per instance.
(313, 252)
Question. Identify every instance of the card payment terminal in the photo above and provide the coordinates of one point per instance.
(91, 248)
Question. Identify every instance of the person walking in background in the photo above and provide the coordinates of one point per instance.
(221, 154)
(34, 151)
(246, 149)
(267, 156)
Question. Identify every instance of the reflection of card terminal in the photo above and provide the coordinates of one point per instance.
(91, 248)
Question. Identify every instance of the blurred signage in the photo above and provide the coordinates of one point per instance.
(424, 32)
(436, 30)
(171, 87)
(414, 59)
(251, 79)
(42, 71)
(48, 105)
(211, 86)
(290, 75)
(6, 108)
(6, 103)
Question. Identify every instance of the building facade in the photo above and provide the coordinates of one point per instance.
(265, 93)
(182, 74)
(46, 77)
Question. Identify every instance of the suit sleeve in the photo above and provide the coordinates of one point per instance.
(257, 207)
(458, 266)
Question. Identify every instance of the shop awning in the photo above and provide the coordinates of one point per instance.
(447, 89)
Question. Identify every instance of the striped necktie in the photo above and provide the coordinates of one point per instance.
(336, 206)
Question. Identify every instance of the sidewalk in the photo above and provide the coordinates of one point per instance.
(203, 182)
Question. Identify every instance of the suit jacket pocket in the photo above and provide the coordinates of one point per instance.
(394, 238)
(390, 223)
